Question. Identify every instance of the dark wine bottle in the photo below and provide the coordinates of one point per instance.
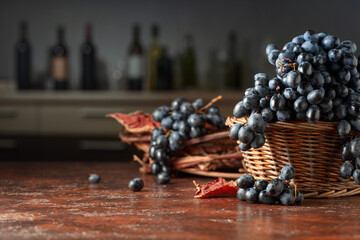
(164, 72)
(154, 54)
(59, 62)
(88, 79)
(23, 59)
(188, 64)
(232, 65)
(135, 62)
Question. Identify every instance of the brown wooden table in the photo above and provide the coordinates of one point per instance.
(55, 201)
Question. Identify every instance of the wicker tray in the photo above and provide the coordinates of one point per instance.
(314, 151)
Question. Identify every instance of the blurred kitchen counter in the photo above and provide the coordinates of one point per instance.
(76, 113)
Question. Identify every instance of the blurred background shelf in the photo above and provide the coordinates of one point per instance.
(37, 121)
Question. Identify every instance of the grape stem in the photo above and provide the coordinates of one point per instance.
(214, 100)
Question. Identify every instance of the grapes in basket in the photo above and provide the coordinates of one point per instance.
(277, 190)
(316, 79)
(181, 121)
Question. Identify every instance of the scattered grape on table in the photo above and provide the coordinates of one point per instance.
(316, 79)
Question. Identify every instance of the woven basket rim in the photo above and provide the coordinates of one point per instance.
(326, 126)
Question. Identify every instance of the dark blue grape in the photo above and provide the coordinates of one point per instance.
(245, 135)
(344, 128)
(287, 197)
(346, 152)
(355, 147)
(245, 181)
(251, 102)
(310, 47)
(251, 195)
(240, 194)
(273, 56)
(275, 187)
(234, 131)
(277, 102)
(304, 88)
(346, 170)
(258, 141)
(157, 132)
(313, 114)
(155, 168)
(301, 104)
(330, 42)
(283, 115)
(163, 178)
(256, 122)
(261, 78)
(94, 178)
(176, 103)
(244, 146)
(287, 173)
(269, 48)
(305, 68)
(198, 103)
(356, 176)
(298, 39)
(326, 105)
(260, 185)
(310, 35)
(267, 114)
(315, 97)
(136, 184)
(265, 198)
(240, 111)
(290, 94)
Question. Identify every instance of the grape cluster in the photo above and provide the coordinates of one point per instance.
(277, 190)
(317, 79)
(182, 121)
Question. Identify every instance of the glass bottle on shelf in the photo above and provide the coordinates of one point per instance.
(135, 69)
(188, 64)
(164, 72)
(23, 59)
(59, 62)
(232, 65)
(154, 54)
(88, 61)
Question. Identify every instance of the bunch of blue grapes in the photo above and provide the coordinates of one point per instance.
(277, 190)
(316, 79)
(181, 121)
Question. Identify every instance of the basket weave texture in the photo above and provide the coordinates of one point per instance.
(314, 151)
(213, 155)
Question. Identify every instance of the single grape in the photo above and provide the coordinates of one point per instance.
(258, 141)
(287, 173)
(234, 131)
(343, 128)
(155, 168)
(136, 184)
(287, 197)
(240, 111)
(94, 178)
(245, 181)
(245, 135)
(355, 147)
(275, 187)
(346, 170)
(240, 194)
(265, 198)
(163, 178)
(260, 185)
(256, 122)
(277, 102)
(356, 176)
(251, 195)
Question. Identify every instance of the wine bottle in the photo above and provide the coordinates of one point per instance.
(164, 72)
(154, 53)
(232, 65)
(59, 62)
(88, 60)
(135, 62)
(188, 63)
(23, 59)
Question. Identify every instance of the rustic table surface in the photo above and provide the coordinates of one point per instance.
(55, 201)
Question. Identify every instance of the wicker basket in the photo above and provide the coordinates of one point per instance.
(314, 151)
(213, 155)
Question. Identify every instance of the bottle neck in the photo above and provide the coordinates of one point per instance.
(60, 36)
(23, 31)
(88, 33)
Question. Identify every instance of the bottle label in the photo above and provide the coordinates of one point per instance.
(135, 66)
(59, 69)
